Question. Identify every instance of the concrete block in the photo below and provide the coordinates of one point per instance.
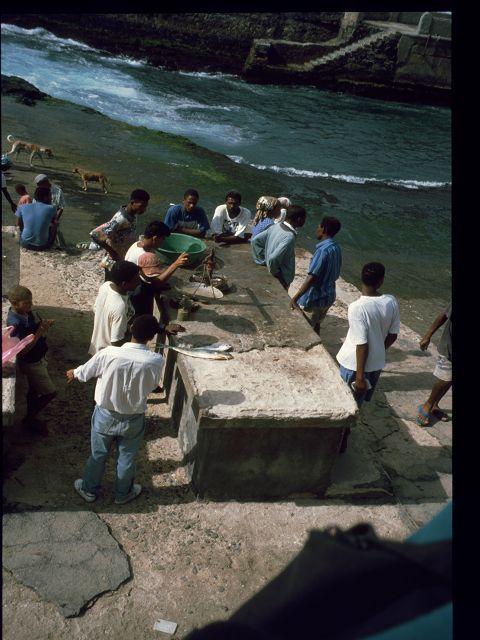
(269, 422)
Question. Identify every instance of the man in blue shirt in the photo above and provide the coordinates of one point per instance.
(317, 293)
(187, 218)
(275, 246)
(37, 221)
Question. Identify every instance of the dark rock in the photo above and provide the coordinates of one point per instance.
(26, 92)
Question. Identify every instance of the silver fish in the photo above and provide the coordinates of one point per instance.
(217, 346)
(199, 352)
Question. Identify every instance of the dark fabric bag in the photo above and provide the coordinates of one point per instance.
(343, 585)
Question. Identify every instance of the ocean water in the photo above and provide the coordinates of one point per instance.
(383, 168)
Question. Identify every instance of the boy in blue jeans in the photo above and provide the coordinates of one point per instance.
(31, 360)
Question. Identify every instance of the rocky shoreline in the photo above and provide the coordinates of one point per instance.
(278, 48)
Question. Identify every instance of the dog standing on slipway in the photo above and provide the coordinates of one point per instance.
(91, 176)
(29, 147)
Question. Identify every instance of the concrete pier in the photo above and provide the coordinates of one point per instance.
(269, 422)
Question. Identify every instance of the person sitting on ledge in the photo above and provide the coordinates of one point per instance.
(187, 217)
(37, 221)
(230, 220)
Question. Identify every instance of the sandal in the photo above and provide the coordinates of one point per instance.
(423, 417)
(440, 415)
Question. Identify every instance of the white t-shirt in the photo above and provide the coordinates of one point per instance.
(370, 319)
(222, 223)
(113, 312)
(134, 253)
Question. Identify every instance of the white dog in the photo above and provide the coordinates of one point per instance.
(29, 147)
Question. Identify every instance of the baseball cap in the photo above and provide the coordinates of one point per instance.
(40, 178)
(150, 264)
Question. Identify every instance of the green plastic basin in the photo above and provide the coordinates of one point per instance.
(176, 243)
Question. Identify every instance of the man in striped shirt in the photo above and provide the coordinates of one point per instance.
(317, 293)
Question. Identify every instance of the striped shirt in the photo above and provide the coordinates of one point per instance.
(126, 376)
(325, 265)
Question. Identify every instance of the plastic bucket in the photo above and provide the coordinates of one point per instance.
(176, 243)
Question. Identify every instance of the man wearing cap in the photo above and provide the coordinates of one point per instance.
(153, 274)
(57, 194)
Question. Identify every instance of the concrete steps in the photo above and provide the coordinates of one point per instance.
(343, 52)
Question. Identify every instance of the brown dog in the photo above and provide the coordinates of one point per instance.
(91, 176)
(29, 147)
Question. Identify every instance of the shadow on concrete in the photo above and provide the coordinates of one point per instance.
(230, 323)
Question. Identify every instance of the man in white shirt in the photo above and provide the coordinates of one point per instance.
(113, 308)
(373, 326)
(230, 220)
(125, 375)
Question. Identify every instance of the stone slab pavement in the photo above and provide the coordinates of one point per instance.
(68, 558)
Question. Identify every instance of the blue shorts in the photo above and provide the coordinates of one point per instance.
(372, 376)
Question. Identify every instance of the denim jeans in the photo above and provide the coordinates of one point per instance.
(372, 376)
(109, 427)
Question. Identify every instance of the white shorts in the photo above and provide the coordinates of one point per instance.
(443, 369)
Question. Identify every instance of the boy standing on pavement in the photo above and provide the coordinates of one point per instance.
(31, 360)
(373, 326)
(125, 375)
(317, 293)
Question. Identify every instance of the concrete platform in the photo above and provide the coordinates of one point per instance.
(269, 422)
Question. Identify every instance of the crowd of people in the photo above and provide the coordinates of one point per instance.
(127, 371)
